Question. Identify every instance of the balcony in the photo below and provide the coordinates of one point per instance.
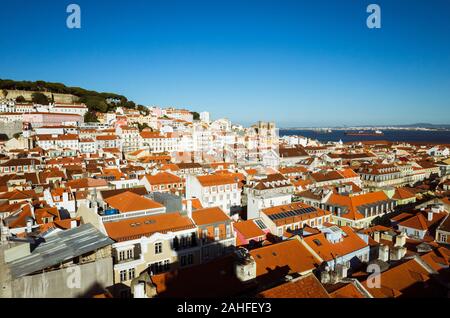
(180, 244)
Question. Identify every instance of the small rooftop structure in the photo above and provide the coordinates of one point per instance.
(60, 247)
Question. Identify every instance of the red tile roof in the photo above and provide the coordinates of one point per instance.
(130, 201)
(248, 229)
(135, 228)
(209, 216)
(307, 286)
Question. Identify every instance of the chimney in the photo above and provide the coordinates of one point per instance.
(383, 253)
(398, 253)
(29, 225)
(244, 266)
(400, 240)
(341, 271)
(376, 236)
(430, 216)
(189, 208)
(73, 224)
(437, 208)
(325, 276)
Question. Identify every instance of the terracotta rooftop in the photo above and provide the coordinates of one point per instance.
(248, 229)
(327, 250)
(129, 202)
(214, 180)
(135, 228)
(209, 216)
(307, 286)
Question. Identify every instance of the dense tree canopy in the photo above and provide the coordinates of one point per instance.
(95, 101)
(39, 98)
(20, 99)
(196, 115)
(143, 126)
(90, 117)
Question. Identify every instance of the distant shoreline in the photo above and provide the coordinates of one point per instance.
(411, 136)
(368, 128)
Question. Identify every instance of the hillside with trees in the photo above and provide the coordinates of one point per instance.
(95, 101)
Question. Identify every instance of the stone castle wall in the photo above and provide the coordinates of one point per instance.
(59, 98)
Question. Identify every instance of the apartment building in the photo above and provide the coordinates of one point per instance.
(221, 191)
(152, 244)
(290, 219)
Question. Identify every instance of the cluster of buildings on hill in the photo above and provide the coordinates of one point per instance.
(162, 205)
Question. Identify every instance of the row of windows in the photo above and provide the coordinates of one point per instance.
(221, 188)
(217, 232)
(159, 267)
(169, 186)
(13, 169)
(187, 260)
(312, 223)
(126, 254)
(127, 274)
(220, 197)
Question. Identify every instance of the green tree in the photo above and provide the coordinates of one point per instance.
(196, 115)
(20, 99)
(130, 104)
(39, 98)
(95, 101)
(144, 110)
(90, 117)
(142, 126)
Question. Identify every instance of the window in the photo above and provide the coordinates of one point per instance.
(121, 255)
(216, 233)
(228, 230)
(204, 234)
(123, 275)
(131, 273)
(190, 259)
(183, 260)
(166, 265)
(158, 248)
(184, 241)
(129, 253)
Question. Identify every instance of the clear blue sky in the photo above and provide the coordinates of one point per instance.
(299, 63)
